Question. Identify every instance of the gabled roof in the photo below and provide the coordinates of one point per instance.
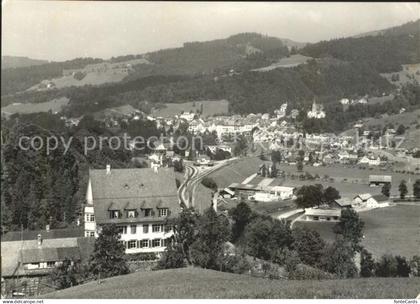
(344, 202)
(132, 189)
(14, 253)
(324, 212)
(50, 234)
(364, 196)
(380, 178)
(380, 198)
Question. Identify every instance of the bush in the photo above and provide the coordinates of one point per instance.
(305, 272)
(287, 258)
(173, 257)
(235, 264)
(209, 183)
(142, 256)
(387, 266)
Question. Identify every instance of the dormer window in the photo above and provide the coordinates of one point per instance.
(131, 213)
(147, 212)
(163, 212)
(114, 214)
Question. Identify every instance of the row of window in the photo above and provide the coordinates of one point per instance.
(155, 228)
(41, 265)
(145, 243)
(147, 212)
(89, 217)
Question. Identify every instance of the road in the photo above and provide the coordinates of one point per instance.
(193, 177)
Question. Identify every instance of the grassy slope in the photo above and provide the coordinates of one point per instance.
(53, 105)
(210, 107)
(199, 283)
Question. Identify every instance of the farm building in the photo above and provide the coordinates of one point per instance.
(344, 202)
(274, 193)
(322, 215)
(367, 200)
(26, 264)
(244, 189)
(377, 180)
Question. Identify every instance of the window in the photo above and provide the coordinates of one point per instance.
(50, 264)
(148, 212)
(131, 213)
(133, 229)
(163, 212)
(122, 229)
(132, 244)
(146, 228)
(157, 228)
(90, 217)
(168, 228)
(92, 234)
(316, 218)
(114, 214)
(144, 243)
(156, 243)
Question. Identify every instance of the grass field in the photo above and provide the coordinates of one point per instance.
(96, 74)
(245, 167)
(236, 172)
(340, 172)
(394, 230)
(286, 62)
(210, 107)
(54, 105)
(199, 283)
(406, 75)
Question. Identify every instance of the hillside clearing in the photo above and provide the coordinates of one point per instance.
(54, 105)
(286, 62)
(210, 107)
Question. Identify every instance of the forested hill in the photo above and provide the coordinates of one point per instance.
(242, 51)
(14, 80)
(8, 62)
(407, 28)
(384, 53)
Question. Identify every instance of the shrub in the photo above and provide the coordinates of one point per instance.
(387, 266)
(173, 257)
(305, 272)
(209, 183)
(142, 256)
(235, 264)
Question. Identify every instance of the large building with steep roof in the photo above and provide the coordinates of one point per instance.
(138, 201)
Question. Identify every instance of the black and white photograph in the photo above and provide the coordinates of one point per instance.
(210, 150)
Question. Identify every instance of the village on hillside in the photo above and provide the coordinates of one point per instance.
(271, 153)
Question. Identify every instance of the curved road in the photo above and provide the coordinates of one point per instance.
(193, 177)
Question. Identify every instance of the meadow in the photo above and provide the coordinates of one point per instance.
(286, 62)
(393, 230)
(54, 105)
(199, 283)
(210, 108)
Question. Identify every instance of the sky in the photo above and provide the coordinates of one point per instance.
(62, 30)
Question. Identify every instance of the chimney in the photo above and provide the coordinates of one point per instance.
(47, 227)
(39, 238)
(108, 169)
